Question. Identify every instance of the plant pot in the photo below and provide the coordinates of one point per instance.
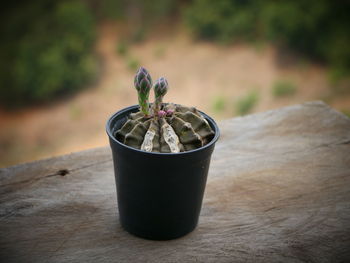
(159, 194)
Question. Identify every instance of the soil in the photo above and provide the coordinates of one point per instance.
(198, 73)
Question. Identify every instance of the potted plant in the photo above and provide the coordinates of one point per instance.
(161, 154)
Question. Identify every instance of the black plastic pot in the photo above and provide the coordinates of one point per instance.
(159, 194)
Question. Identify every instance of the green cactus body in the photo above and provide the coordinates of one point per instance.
(143, 102)
(186, 129)
(162, 127)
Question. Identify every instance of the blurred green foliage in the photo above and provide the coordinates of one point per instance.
(122, 48)
(132, 63)
(219, 104)
(346, 112)
(317, 28)
(46, 46)
(139, 16)
(284, 88)
(224, 20)
(146, 11)
(46, 50)
(245, 104)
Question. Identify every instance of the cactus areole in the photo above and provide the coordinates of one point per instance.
(162, 127)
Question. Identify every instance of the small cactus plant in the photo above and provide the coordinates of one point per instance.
(162, 127)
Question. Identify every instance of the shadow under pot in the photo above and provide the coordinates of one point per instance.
(159, 194)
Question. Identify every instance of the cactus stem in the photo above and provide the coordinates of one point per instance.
(157, 105)
(143, 102)
(160, 89)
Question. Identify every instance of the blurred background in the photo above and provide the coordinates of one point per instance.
(66, 66)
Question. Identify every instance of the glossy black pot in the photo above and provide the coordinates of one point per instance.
(159, 194)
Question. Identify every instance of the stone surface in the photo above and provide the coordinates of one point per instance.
(278, 191)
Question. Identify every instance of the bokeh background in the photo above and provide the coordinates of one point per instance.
(66, 66)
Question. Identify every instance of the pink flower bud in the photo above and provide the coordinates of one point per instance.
(161, 113)
(169, 112)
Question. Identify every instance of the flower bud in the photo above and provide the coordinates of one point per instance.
(143, 85)
(143, 80)
(160, 87)
(161, 113)
(169, 112)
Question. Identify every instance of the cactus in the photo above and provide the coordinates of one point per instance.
(160, 89)
(143, 84)
(162, 127)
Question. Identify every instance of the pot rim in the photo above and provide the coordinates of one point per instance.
(207, 117)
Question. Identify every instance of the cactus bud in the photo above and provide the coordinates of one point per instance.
(160, 89)
(143, 84)
(169, 112)
(161, 114)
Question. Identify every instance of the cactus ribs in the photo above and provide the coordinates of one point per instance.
(162, 127)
